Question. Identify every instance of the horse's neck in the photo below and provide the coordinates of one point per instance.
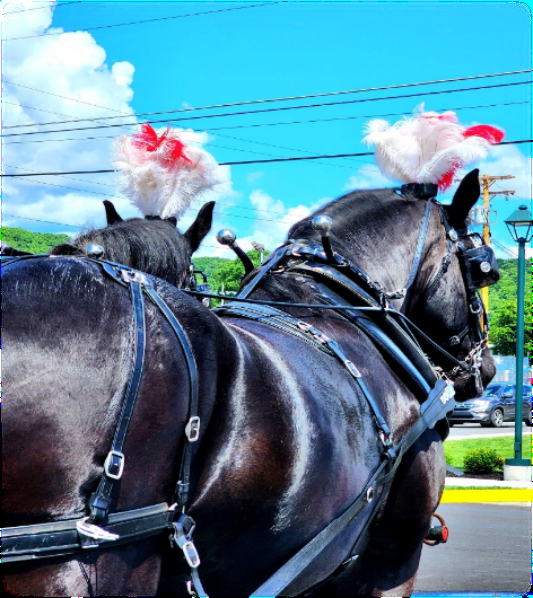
(383, 243)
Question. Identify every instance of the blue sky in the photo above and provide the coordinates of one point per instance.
(255, 51)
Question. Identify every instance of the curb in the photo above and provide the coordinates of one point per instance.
(480, 495)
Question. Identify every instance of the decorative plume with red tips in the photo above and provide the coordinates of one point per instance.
(162, 173)
(428, 147)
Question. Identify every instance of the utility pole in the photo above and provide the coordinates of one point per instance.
(486, 182)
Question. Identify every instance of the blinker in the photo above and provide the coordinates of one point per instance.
(481, 267)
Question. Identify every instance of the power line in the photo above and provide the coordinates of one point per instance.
(52, 4)
(194, 14)
(281, 108)
(241, 162)
(282, 99)
(107, 194)
(66, 177)
(503, 248)
(276, 124)
(44, 221)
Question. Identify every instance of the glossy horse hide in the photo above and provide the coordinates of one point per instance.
(287, 439)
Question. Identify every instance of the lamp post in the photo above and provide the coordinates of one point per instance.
(519, 225)
(260, 248)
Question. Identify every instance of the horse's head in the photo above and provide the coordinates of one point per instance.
(447, 304)
(153, 245)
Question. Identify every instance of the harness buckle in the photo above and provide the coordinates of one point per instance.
(114, 465)
(134, 276)
(94, 532)
(352, 369)
(454, 341)
(183, 540)
(192, 429)
(476, 307)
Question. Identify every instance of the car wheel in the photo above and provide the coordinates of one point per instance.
(527, 421)
(496, 418)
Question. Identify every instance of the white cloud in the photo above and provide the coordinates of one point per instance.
(74, 81)
(253, 177)
(368, 177)
(508, 159)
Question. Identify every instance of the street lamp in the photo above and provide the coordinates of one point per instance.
(260, 248)
(519, 225)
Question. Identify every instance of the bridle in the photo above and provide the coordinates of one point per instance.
(479, 269)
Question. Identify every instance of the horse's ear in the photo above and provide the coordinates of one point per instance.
(111, 214)
(200, 227)
(464, 199)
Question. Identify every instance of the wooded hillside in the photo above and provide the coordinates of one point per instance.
(224, 273)
(18, 238)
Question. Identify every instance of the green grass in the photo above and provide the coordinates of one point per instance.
(455, 450)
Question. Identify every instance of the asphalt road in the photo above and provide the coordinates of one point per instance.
(476, 431)
(488, 552)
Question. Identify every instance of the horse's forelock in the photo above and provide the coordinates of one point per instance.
(153, 246)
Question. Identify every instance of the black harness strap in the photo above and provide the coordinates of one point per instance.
(73, 536)
(192, 429)
(100, 501)
(65, 538)
(271, 316)
(438, 404)
(404, 292)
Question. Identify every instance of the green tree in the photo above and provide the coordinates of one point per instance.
(502, 305)
(231, 273)
(24, 240)
(503, 328)
(208, 264)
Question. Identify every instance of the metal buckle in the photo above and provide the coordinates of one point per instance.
(191, 554)
(93, 531)
(476, 310)
(447, 394)
(386, 439)
(192, 429)
(134, 276)
(184, 541)
(352, 369)
(110, 463)
(370, 495)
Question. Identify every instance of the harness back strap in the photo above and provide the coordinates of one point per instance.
(438, 404)
(100, 501)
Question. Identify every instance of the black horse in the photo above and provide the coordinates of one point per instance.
(295, 415)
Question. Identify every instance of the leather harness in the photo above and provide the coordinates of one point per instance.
(367, 306)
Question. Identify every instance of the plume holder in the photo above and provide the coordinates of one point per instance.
(227, 237)
(322, 225)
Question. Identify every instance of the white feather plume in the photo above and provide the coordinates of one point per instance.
(162, 174)
(428, 147)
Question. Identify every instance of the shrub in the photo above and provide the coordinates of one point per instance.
(482, 460)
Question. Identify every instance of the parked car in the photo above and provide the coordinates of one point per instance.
(495, 406)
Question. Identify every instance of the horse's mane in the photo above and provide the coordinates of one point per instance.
(357, 211)
(153, 246)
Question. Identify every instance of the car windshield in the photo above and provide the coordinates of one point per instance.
(491, 391)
